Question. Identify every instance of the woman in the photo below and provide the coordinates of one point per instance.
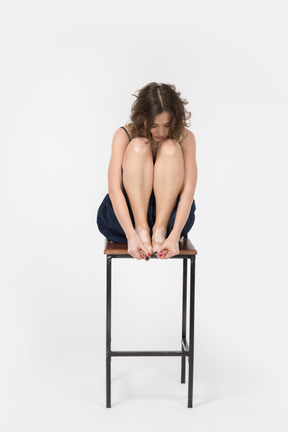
(152, 176)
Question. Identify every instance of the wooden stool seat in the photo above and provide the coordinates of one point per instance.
(112, 248)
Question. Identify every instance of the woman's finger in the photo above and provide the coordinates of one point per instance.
(143, 255)
(145, 250)
(162, 248)
(136, 255)
(167, 253)
(162, 252)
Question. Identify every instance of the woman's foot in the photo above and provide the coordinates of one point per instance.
(144, 235)
(158, 237)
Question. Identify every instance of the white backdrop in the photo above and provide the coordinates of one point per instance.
(68, 71)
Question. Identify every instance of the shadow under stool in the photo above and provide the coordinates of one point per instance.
(187, 252)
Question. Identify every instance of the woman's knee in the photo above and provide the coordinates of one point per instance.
(138, 146)
(169, 147)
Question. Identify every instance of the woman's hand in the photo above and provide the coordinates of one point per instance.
(137, 249)
(169, 248)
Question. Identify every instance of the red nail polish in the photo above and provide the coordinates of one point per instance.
(161, 255)
(149, 254)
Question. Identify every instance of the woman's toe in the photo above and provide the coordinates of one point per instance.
(149, 248)
(156, 246)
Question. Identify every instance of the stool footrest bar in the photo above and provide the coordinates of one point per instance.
(148, 353)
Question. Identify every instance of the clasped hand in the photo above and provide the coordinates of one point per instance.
(138, 250)
(169, 248)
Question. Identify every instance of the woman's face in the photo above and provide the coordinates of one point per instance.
(160, 127)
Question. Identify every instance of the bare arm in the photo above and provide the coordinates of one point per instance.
(136, 248)
(171, 245)
(119, 144)
(190, 180)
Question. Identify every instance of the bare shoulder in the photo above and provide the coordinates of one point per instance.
(189, 142)
(120, 142)
(120, 132)
(189, 136)
(128, 128)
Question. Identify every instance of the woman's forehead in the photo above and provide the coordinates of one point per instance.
(162, 118)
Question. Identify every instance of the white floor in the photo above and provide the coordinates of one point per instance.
(146, 394)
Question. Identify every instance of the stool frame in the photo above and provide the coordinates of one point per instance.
(187, 350)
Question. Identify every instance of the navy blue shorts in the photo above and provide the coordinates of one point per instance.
(109, 226)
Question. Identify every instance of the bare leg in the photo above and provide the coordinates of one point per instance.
(138, 179)
(168, 181)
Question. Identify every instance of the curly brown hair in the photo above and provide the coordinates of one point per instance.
(153, 99)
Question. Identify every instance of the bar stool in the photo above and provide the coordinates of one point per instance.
(187, 251)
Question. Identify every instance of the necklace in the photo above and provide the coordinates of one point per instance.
(156, 146)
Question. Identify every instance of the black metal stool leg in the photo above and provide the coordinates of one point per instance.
(184, 310)
(108, 333)
(191, 331)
